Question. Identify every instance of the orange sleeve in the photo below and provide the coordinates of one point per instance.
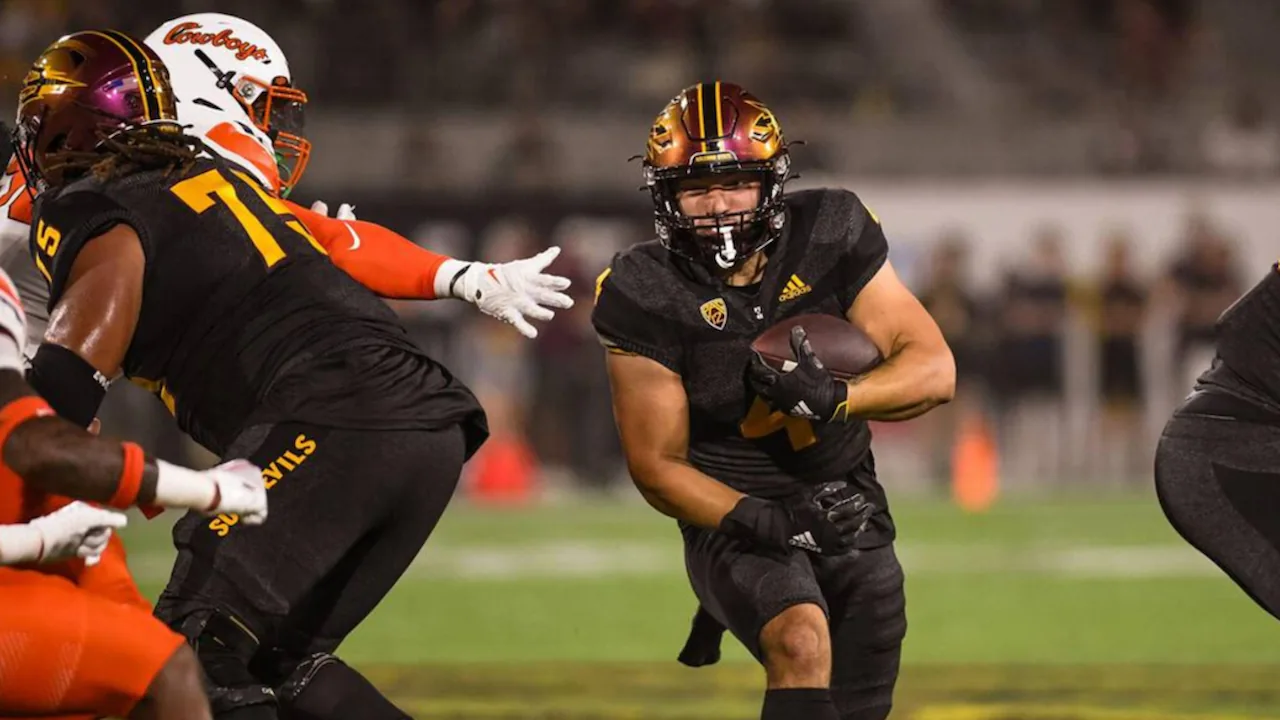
(13, 194)
(387, 263)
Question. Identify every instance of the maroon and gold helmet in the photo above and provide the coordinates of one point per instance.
(709, 129)
(84, 87)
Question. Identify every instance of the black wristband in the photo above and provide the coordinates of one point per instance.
(760, 521)
(71, 386)
(456, 277)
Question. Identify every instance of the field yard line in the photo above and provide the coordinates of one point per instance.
(568, 559)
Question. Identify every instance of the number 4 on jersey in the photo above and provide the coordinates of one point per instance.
(761, 421)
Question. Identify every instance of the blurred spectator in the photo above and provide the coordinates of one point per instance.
(1154, 38)
(574, 428)
(1033, 309)
(1122, 300)
(947, 297)
(1243, 141)
(1201, 284)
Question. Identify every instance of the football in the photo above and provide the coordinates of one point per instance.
(844, 349)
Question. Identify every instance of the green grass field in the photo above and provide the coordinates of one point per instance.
(1037, 610)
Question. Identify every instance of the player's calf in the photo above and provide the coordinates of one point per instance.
(176, 692)
(797, 658)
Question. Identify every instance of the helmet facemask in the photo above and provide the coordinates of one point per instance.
(280, 111)
(723, 240)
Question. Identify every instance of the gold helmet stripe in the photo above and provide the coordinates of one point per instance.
(702, 119)
(719, 112)
(148, 80)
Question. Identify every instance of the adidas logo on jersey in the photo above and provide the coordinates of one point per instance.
(805, 541)
(794, 289)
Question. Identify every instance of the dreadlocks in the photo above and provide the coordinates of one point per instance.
(132, 150)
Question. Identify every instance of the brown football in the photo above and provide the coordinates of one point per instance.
(844, 349)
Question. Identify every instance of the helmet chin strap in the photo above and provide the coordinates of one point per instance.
(728, 254)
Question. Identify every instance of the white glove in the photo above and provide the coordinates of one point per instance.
(508, 291)
(240, 491)
(76, 530)
(345, 211)
(233, 488)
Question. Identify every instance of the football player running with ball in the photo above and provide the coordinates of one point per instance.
(788, 539)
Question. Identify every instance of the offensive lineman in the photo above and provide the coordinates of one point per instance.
(184, 274)
(788, 539)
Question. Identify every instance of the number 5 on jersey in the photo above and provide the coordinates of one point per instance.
(48, 239)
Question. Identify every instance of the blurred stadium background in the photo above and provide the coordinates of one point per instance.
(1075, 187)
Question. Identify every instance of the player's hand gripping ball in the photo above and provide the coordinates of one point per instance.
(807, 391)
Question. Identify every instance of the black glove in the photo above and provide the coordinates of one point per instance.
(808, 391)
(703, 645)
(827, 522)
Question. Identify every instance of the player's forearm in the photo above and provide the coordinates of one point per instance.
(387, 263)
(678, 490)
(911, 382)
(54, 456)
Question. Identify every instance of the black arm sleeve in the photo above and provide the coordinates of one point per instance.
(71, 386)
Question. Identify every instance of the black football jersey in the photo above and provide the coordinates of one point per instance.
(1248, 360)
(652, 303)
(244, 320)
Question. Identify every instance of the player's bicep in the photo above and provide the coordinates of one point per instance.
(97, 311)
(651, 409)
(891, 315)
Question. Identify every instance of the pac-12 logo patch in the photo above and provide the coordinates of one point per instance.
(715, 313)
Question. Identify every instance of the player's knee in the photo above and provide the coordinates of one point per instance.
(797, 648)
(177, 691)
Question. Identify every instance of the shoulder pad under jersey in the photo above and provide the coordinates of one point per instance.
(628, 316)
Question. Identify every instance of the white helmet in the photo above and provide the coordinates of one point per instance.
(240, 58)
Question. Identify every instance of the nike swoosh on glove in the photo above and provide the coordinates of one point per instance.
(514, 292)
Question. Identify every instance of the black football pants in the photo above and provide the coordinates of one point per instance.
(1218, 479)
(348, 512)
